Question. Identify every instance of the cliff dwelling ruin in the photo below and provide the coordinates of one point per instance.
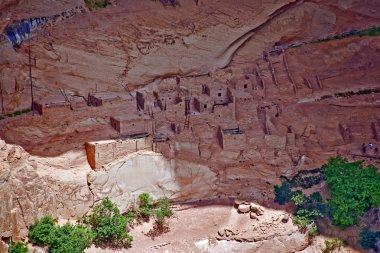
(226, 108)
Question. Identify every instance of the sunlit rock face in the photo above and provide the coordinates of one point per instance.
(151, 172)
(36, 186)
(133, 42)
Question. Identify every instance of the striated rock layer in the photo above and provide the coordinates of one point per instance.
(304, 104)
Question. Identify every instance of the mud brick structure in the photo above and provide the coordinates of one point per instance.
(203, 103)
(217, 91)
(109, 98)
(232, 139)
(132, 124)
(103, 152)
(54, 106)
(243, 83)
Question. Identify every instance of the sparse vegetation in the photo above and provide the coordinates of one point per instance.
(334, 243)
(17, 113)
(105, 227)
(313, 231)
(354, 190)
(18, 247)
(162, 211)
(145, 206)
(96, 4)
(373, 32)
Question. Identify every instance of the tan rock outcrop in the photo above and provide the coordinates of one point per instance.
(147, 171)
(31, 187)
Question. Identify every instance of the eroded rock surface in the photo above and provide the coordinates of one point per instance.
(33, 187)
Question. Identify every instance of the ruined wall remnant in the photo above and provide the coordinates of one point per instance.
(59, 107)
(232, 139)
(100, 153)
(132, 124)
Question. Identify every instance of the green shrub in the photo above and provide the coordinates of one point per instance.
(309, 214)
(108, 225)
(302, 222)
(96, 4)
(70, 239)
(42, 232)
(354, 189)
(313, 231)
(145, 205)
(162, 210)
(333, 244)
(298, 198)
(368, 239)
(282, 193)
(66, 239)
(18, 247)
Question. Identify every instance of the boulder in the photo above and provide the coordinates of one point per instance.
(258, 210)
(243, 208)
(284, 218)
(253, 216)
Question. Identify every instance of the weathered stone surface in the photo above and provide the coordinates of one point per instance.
(243, 208)
(146, 171)
(253, 216)
(258, 210)
(31, 187)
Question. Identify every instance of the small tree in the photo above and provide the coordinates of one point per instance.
(108, 225)
(145, 205)
(18, 247)
(162, 210)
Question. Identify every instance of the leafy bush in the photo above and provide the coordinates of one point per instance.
(66, 239)
(162, 210)
(354, 190)
(333, 244)
(298, 198)
(18, 247)
(282, 193)
(145, 205)
(309, 214)
(368, 239)
(108, 225)
(42, 232)
(302, 222)
(70, 239)
(96, 4)
(313, 231)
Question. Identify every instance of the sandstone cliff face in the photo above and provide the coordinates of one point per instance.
(151, 172)
(132, 43)
(36, 186)
(292, 119)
